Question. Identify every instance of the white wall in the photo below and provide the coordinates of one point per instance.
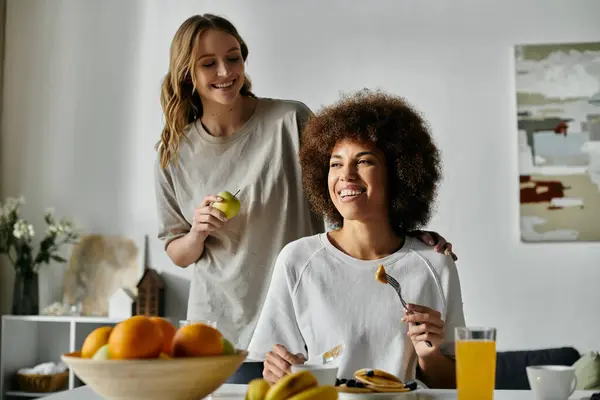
(81, 116)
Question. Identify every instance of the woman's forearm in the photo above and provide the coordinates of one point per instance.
(437, 371)
(187, 249)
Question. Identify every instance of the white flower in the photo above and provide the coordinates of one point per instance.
(52, 230)
(49, 213)
(12, 204)
(23, 230)
(65, 226)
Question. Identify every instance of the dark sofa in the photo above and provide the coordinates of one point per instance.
(510, 366)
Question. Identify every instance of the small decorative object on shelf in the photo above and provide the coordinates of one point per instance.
(16, 241)
(121, 304)
(151, 290)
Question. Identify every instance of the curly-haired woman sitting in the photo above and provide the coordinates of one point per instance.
(370, 166)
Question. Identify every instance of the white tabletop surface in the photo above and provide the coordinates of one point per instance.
(237, 392)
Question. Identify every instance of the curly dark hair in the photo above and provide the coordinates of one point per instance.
(413, 161)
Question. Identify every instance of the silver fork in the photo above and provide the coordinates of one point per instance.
(394, 283)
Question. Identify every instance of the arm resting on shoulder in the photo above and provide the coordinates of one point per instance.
(186, 250)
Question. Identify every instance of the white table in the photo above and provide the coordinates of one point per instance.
(237, 392)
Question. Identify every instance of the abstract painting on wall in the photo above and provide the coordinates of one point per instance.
(558, 107)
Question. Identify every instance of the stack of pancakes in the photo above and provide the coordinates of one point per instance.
(374, 380)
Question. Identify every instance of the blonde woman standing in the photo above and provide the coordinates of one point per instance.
(218, 136)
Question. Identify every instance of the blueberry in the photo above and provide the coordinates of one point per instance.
(360, 384)
(412, 385)
(595, 396)
(342, 381)
(370, 373)
(351, 383)
(337, 382)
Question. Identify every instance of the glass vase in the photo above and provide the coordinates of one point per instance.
(25, 294)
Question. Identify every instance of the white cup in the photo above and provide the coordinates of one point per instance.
(325, 374)
(551, 382)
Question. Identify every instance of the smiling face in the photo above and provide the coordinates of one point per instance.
(219, 67)
(357, 181)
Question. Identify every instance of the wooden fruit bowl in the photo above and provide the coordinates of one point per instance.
(176, 378)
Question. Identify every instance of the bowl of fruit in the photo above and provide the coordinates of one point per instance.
(148, 358)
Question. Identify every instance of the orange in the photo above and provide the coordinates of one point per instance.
(96, 339)
(168, 330)
(135, 337)
(197, 340)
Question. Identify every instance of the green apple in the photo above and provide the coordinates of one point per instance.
(228, 348)
(101, 353)
(230, 205)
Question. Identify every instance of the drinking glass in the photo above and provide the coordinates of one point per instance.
(475, 362)
(213, 324)
(198, 321)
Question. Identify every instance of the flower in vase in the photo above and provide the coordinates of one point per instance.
(24, 231)
(16, 237)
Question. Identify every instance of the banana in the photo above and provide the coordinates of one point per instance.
(326, 392)
(257, 389)
(291, 384)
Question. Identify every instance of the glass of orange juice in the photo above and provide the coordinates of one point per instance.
(475, 362)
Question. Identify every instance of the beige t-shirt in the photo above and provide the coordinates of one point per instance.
(230, 281)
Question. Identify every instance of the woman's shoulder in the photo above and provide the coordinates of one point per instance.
(439, 261)
(283, 107)
(301, 251)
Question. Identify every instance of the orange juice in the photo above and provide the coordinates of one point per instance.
(475, 369)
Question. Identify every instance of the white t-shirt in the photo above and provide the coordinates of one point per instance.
(230, 281)
(320, 297)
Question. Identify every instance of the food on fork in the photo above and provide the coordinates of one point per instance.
(383, 277)
(380, 275)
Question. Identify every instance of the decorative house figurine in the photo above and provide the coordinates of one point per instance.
(150, 299)
(120, 304)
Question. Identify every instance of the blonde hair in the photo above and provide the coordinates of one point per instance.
(180, 103)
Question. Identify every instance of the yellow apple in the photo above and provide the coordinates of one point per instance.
(230, 205)
(228, 348)
(102, 353)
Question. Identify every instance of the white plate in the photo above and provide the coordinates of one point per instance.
(414, 395)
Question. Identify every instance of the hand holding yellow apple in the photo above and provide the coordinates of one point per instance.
(208, 218)
(229, 205)
(213, 213)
